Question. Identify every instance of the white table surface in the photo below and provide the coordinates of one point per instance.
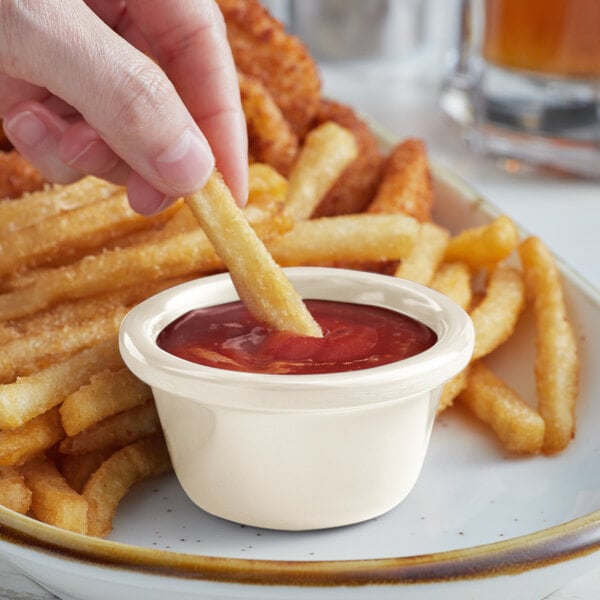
(565, 213)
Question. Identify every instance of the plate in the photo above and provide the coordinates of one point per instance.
(479, 523)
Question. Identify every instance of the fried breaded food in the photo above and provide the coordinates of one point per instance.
(355, 188)
(271, 139)
(17, 175)
(262, 48)
(405, 185)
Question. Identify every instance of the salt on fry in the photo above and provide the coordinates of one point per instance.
(519, 427)
(107, 393)
(117, 474)
(454, 280)
(425, 256)
(20, 444)
(484, 246)
(359, 237)
(31, 396)
(14, 494)
(258, 279)
(495, 317)
(328, 149)
(115, 431)
(557, 358)
(53, 500)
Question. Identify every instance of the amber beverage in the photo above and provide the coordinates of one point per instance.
(555, 37)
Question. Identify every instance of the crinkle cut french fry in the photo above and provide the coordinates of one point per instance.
(425, 256)
(115, 431)
(20, 444)
(33, 395)
(328, 149)
(108, 393)
(30, 353)
(117, 474)
(358, 237)
(83, 228)
(405, 186)
(14, 494)
(258, 279)
(53, 501)
(454, 280)
(271, 138)
(495, 317)
(37, 206)
(486, 245)
(519, 427)
(557, 358)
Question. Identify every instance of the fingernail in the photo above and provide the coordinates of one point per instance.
(185, 164)
(26, 128)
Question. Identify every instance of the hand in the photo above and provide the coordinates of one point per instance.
(80, 95)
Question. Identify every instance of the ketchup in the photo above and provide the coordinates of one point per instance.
(355, 336)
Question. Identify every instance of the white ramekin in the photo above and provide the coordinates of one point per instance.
(299, 452)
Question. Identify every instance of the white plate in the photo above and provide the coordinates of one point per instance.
(479, 524)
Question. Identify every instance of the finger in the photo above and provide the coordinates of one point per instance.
(189, 41)
(35, 132)
(121, 93)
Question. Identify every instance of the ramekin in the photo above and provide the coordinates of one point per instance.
(299, 452)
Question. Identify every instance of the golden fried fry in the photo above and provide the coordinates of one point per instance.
(354, 189)
(359, 237)
(405, 185)
(259, 281)
(452, 389)
(53, 501)
(496, 316)
(327, 151)
(20, 444)
(557, 358)
(454, 280)
(17, 175)
(108, 393)
(114, 432)
(37, 206)
(115, 477)
(486, 245)
(14, 494)
(78, 468)
(519, 427)
(428, 251)
(271, 138)
(31, 396)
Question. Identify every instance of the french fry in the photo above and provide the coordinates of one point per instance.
(260, 283)
(82, 228)
(495, 317)
(452, 389)
(52, 500)
(78, 468)
(360, 237)
(20, 444)
(108, 393)
(328, 149)
(30, 353)
(454, 280)
(481, 247)
(405, 185)
(14, 494)
(117, 474)
(557, 359)
(425, 256)
(31, 396)
(271, 138)
(519, 427)
(37, 206)
(114, 432)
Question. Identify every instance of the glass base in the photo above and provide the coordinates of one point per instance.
(540, 120)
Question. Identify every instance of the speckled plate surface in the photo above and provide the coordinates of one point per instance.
(479, 523)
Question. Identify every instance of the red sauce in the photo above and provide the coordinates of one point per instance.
(355, 336)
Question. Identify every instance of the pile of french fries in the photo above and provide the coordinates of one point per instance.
(78, 430)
